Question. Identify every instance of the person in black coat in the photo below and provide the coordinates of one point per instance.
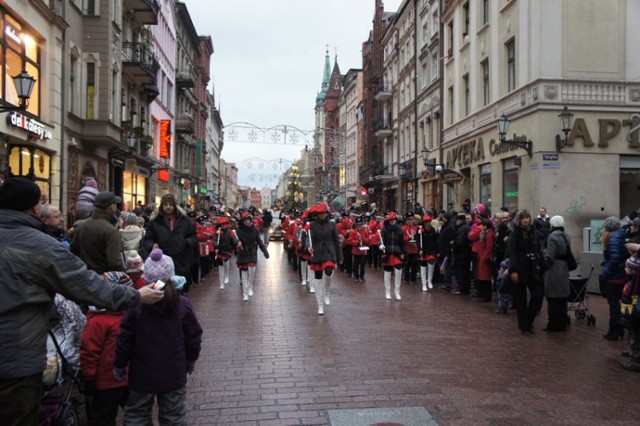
(176, 236)
(323, 243)
(249, 242)
(445, 244)
(225, 242)
(427, 241)
(525, 263)
(462, 255)
(393, 254)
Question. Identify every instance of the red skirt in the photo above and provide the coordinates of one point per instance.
(245, 266)
(427, 258)
(391, 260)
(321, 266)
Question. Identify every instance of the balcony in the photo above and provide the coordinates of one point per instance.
(384, 173)
(139, 63)
(184, 124)
(383, 91)
(145, 11)
(185, 79)
(382, 129)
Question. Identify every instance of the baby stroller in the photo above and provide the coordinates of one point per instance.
(578, 299)
(60, 404)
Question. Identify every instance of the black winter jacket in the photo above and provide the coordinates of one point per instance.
(179, 244)
(392, 239)
(250, 240)
(324, 241)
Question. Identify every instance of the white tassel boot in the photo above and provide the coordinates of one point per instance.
(244, 279)
(431, 268)
(252, 273)
(327, 287)
(397, 280)
(221, 277)
(423, 277)
(319, 286)
(225, 266)
(387, 284)
(303, 272)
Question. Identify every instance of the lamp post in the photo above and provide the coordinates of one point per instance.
(434, 169)
(522, 142)
(24, 86)
(565, 117)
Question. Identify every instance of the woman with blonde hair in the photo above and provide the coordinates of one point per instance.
(525, 263)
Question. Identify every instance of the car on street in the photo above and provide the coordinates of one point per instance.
(275, 232)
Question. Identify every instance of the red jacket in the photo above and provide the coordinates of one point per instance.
(357, 238)
(98, 349)
(484, 270)
(409, 235)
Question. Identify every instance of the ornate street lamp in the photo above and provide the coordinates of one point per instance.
(24, 86)
(565, 117)
(503, 128)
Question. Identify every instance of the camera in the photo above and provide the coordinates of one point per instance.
(159, 285)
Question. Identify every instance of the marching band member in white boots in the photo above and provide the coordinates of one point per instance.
(249, 241)
(427, 241)
(323, 243)
(225, 240)
(392, 252)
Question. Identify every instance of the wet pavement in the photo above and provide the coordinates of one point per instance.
(431, 358)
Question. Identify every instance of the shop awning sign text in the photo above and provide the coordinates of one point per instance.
(29, 124)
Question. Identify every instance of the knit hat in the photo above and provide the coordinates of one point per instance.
(158, 266)
(134, 262)
(633, 263)
(87, 196)
(611, 224)
(117, 277)
(19, 193)
(556, 222)
(481, 208)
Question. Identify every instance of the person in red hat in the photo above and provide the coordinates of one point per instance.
(409, 231)
(247, 259)
(427, 242)
(225, 241)
(323, 243)
(392, 250)
(358, 239)
(303, 255)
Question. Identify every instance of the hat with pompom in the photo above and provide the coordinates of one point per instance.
(134, 262)
(158, 266)
(633, 263)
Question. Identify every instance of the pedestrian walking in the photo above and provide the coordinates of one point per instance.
(248, 243)
(392, 251)
(225, 241)
(427, 242)
(323, 243)
(556, 278)
(614, 256)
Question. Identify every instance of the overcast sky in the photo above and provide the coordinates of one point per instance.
(268, 64)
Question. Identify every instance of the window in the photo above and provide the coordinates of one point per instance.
(485, 185)
(90, 7)
(465, 14)
(467, 101)
(434, 66)
(486, 94)
(74, 72)
(511, 65)
(91, 90)
(20, 52)
(485, 12)
(510, 184)
(451, 105)
(169, 92)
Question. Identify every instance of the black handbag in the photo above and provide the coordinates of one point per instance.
(571, 261)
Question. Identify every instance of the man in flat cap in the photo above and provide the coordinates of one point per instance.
(97, 241)
(33, 268)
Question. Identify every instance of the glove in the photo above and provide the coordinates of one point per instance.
(381, 247)
(266, 254)
(89, 387)
(119, 373)
(191, 365)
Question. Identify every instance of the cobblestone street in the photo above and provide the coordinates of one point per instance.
(274, 361)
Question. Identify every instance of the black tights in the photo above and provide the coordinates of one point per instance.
(391, 268)
(327, 271)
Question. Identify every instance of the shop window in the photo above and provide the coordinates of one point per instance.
(485, 185)
(510, 178)
(133, 190)
(32, 163)
(20, 52)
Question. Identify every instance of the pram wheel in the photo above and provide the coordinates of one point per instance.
(580, 314)
(67, 417)
(591, 320)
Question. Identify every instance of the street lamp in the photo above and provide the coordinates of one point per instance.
(522, 142)
(565, 117)
(24, 86)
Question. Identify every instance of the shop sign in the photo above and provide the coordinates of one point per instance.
(23, 122)
(185, 183)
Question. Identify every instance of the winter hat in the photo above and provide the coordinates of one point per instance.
(633, 263)
(245, 215)
(134, 262)
(158, 266)
(611, 224)
(633, 214)
(556, 222)
(19, 193)
(391, 216)
(87, 196)
(117, 277)
(168, 198)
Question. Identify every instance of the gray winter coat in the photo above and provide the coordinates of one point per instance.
(556, 279)
(33, 268)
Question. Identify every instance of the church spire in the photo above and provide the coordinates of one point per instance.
(326, 77)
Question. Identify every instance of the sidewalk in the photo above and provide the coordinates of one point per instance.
(432, 358)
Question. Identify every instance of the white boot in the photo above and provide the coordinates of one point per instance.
(319, 286)
(225, 267)
(387, 284)
(431, 268)
(252, 273)
(303, 272)
(327, 287)
(221, 277)
(423, 277)
(397, 280)
(244, 279)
